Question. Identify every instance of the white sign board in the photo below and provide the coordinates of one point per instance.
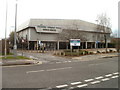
(39, 42)
(74, 42)
(22, 40)
(97, 41)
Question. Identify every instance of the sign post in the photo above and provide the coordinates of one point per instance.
(22, 46)
(97, 45)
(74, 42)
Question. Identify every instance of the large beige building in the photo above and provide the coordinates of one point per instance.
(55, 33)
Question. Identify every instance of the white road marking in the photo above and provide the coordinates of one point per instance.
(35, 71)
(84, 85)
(95, 82)
(105, 79)
(49, 70)
(116, 73)
(58, 69)
(74, 83)
(61, 86)
(114, 76)
(96, 64)
(108, 75)
(69, 61)
(99, 77)
(88, 80)
(71, 88)
(58, 62)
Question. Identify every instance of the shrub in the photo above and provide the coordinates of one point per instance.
(86, 52)
(69, 50)
(111, 50)
(67, 53)
(81, 53)
(91, 52)
(98, 51)
(71, 54)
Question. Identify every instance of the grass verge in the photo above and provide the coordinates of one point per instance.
(12, 57)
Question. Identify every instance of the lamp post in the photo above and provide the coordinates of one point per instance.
(97, 36)
(5, 52)
(15, 45)
(105, 37)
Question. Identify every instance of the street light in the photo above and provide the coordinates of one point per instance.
(15, 45)
(97, 36)
(5, 52)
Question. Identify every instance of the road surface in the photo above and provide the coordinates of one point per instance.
(99, 73)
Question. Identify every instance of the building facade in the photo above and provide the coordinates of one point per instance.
(55, 34)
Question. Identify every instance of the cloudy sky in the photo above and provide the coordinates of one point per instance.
(86, 10)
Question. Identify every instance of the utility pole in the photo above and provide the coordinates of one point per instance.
(15, 45)
(105, 43)
(6, 30)
(97, 37)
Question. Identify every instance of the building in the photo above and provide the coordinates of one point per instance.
(55, 33)
(2, 46)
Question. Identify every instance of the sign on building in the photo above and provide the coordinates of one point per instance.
(97, 42)
(74, 42)
(39, 42)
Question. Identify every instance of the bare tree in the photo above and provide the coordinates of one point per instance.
(104, 25)
(72, 34)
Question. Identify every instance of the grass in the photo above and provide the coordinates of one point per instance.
(7, 54)
(12, 57)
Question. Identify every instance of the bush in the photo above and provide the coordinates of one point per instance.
(69, 50)
(86, 52)
(111, 50)
(74, 53)
(81, 53)
(71, 54)
(62, 53)
(98, 51)
(91, 52)
(67, 53)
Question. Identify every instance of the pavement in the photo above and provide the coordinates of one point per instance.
(43, 58)
(6, 62)
(95, 56)
(19, 62)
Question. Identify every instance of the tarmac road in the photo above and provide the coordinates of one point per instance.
(99, 73)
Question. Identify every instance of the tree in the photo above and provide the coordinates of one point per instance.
(116, 42)
(11, 39)
(104, 25)
(72, 34)
(19, 42)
